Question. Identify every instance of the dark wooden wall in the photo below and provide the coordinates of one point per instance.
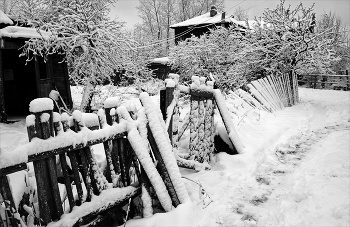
(21, 81)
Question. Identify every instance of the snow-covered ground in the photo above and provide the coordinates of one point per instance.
(295, 171)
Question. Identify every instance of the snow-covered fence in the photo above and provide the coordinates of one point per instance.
(56, 150)
(319, 81)
(272, 92)
(200, 119)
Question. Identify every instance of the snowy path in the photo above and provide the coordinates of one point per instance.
(300, 178)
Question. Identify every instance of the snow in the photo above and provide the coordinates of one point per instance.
(30, 120)
(44, 117)
(23, 32)
(106, 198)
(170, 83)
(233, 135)
(163, 60)
(206, 19)
(4, 19)
(112, 102)
(294, 172)
(90, 119)
(141, 151)
(163, 143)
(55, 95)
(40, 105)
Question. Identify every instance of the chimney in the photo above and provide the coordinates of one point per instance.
(213, 11)
(223, 19)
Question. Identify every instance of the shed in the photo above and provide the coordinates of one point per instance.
(21, 81)
(160, 67)
(201, 24)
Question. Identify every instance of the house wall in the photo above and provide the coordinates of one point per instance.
(21, 81)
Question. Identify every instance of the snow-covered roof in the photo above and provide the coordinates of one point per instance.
(23, 32)
(4, 19)
(207, 19)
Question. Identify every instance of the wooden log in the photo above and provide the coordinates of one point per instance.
(228, 123)
(209, 129)
(200, 147)
(194, 106)
(162, 169)
(119, 203)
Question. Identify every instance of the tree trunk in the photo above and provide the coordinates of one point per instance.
(88, 94)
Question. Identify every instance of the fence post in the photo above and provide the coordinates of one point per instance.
(166, 97)
(50, 205)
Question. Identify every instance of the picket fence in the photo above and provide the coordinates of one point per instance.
(98, 198)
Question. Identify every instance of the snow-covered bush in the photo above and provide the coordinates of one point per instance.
(284, 39)
(95, 47)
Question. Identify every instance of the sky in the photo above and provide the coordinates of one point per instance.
(125, 10)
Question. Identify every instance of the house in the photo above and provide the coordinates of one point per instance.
(21, 81)
(201, 24)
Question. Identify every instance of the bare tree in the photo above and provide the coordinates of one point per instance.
(333, 25)
(158, 15)
(240, 14)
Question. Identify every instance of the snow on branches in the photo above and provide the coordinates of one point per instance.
(284, 39)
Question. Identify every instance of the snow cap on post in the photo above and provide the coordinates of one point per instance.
(129, 105)
(78, 116)
(30, 120)
(40, 105)
(45, 117)
(170, 83)
(111, 102)
(174, 77)
(56, 117)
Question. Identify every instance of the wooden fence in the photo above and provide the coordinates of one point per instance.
(320, 81)
(125, 134)
(95, 197)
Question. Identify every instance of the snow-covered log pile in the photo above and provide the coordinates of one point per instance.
(269, 94)
(59, 148)
(200, 120)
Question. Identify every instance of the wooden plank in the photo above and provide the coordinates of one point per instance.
(67, 181)
(3, 117)
(162, 103)
(64, 167)
(57, 210)
(121, 202)
(13, 169)
(45, 197)
(85, 170)
(162, 169)
(75, 169)
(169, 96)
(6, 193)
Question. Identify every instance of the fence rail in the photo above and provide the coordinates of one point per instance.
(58, 148)
(319, 81)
